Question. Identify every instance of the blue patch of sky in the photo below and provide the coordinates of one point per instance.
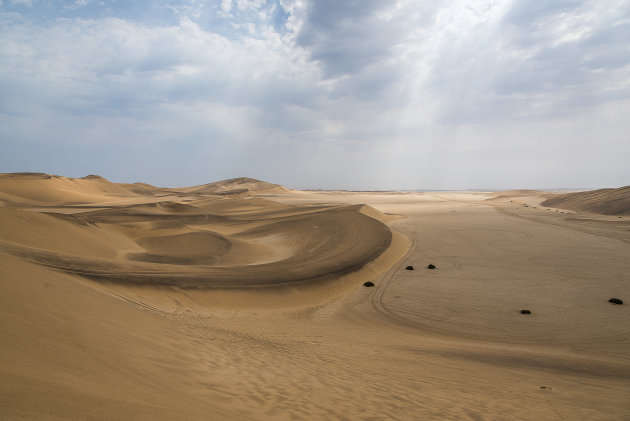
(41, 11)
(279, 17)
(207, 15)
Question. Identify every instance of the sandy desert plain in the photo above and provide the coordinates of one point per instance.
(243, 300)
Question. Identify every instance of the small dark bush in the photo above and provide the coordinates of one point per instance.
(526, 312)
(431, 266)
(409, 268)
(368, 284)
(615, 301)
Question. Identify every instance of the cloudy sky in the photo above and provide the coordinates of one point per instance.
(353, 94)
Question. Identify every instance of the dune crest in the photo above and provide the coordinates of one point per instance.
(323, 244)
(234, 186)
(209, 241)
(39, 189)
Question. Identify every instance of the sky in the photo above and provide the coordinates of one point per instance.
(359, 95)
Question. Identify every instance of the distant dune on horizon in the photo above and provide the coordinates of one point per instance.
(611, 201)
(32, 188)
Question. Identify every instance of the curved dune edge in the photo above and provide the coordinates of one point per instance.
(215, 245)
(158, 256)
(279, 297)
(326, 243)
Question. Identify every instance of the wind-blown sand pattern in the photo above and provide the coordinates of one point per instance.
(244, 300)
(603, 201)
(170, 244)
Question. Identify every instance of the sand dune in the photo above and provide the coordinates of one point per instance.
(602, 201)
(40, 189)
(43, 189)
(322, 244)
(144, 189)
(210, 241)
(244, 300)
(237, 186)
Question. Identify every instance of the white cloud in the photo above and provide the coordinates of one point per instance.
(226, 6)
(339, 86)
(78, 4)
(116, 60)
(250, 4)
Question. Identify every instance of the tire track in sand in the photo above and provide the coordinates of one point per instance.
(381, 287)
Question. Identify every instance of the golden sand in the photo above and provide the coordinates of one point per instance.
(245, 300)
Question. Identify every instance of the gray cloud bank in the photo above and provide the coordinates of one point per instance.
(321, 94)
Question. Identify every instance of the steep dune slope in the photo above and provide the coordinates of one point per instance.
(210, 241)
(320, 244)
(602, 201)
